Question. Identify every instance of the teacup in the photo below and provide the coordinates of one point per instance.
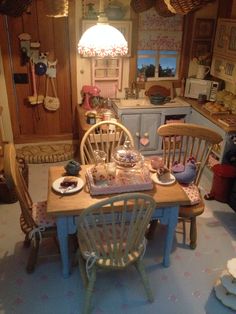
(157, 162)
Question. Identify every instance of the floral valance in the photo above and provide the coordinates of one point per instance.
(157, 32)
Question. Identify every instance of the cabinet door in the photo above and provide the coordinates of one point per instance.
(148, 130)
(224, 69)
(143, 126)
(231, 40)
(132, 123)
(221, 37)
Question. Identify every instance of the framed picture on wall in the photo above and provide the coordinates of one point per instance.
(201, 48)
(204, 28)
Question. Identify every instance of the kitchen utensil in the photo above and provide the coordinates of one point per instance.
(35, 99)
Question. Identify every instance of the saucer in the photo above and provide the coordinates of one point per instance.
(158, 181)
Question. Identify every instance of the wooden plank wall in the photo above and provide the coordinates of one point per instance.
(35, 123)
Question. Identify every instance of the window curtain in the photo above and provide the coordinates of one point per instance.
(159, 33)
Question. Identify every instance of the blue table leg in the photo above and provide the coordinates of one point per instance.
(171, 226)
(65, 226)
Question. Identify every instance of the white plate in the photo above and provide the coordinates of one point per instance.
(57, 185)
(156, 180)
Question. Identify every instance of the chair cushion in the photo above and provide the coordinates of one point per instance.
(40, 216)
(106, 256)
(192, 192)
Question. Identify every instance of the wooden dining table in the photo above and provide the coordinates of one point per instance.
(66, 209)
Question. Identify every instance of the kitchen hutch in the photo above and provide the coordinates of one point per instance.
(224, 55)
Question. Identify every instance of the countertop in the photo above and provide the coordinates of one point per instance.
(144, 103)
(212, 117)
(84, 126)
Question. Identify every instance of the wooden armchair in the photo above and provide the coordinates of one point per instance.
(34, 222)
(180, 142)
(106, 136)
(111, 236)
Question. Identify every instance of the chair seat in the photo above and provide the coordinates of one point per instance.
(192, 210)
(40, 215)
(103, 249)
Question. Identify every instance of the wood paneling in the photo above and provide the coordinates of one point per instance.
(35, 123)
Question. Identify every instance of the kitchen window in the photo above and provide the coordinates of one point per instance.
(157, 64)
(159, 46)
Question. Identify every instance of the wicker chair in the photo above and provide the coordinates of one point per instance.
(182, 141)
(106, 136)
(33, 220)
(111, 238)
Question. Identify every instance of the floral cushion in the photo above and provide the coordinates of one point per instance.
(192, 192)
(40, 216)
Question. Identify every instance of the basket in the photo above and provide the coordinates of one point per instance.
(56, 8)
(185, 6)
(141, 5)
(162, 9)
(14, 8)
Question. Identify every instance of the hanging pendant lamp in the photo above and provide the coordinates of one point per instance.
(102, 39)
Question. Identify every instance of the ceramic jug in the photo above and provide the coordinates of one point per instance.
(202, 71)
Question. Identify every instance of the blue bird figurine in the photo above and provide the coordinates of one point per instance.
(185, 174)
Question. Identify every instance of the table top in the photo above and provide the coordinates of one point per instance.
(74, 204)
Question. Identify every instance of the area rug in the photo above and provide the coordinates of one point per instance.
(46, 153)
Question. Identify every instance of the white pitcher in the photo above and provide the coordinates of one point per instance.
(202, 71)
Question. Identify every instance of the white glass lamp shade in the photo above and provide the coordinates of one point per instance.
(102, 40)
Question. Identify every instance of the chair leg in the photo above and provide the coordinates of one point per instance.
(89, 291)
(32, 260)
(151, 230)
(27, 241)
(140, 267)
(193, 233)
(82, 268)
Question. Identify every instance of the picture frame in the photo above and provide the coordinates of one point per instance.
(201, 48)
(204, 28)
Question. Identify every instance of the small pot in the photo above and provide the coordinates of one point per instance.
(72, 168)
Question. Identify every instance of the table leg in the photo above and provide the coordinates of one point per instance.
(65, 226)
(171, 226)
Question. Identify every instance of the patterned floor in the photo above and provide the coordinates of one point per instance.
(183, 288)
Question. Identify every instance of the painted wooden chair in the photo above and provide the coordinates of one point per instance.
(105, 136)
(111, 236)
(182, 141)
(33, 219)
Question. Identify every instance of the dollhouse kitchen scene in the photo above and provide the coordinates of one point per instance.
(118, 147)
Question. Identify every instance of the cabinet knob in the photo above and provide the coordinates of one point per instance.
(146, 134)
(137, 134)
